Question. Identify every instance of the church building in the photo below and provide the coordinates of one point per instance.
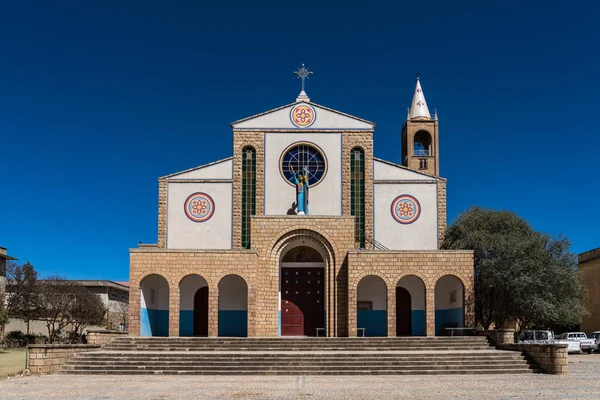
(304, 232)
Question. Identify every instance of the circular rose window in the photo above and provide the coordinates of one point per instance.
(305, 158)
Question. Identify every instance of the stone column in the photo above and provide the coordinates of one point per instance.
(174, 312)
(213, 312)
(505, 336)
(391, 311)
(430, 309)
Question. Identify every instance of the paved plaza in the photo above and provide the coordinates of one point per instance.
(583, 382)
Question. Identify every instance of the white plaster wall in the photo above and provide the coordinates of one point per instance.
(280, 119)
(183, 233)
(161, 292)
(219, 170)
(416, 288)
(188, 288)
(372, 288)
(383, 171)
(443, 287)
(233, 293)
(326, 197)
(421, 234)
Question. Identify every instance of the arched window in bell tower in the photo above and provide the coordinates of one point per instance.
(248, 192)
(422, 144)
(357, 194)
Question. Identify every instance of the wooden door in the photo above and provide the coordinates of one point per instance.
(201, 312)
(302, 301)
(403, 312)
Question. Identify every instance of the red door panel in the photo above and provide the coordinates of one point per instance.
(302, 301)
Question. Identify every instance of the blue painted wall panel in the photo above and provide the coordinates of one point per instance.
(452, 316)
(186, 323)
(233, 323)
(154, 322)
(418, 322)
(374, 320)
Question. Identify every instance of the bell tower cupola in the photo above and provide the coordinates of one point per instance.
(420, 142)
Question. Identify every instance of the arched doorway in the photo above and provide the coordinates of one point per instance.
(449, 300)
(410, 306)
(302, 290)
(403, 312)
(193, 306)
(154, 306)
(201, 312)
(372, 306)
(233, 306)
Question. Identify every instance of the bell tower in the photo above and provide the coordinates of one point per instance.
(420, 142)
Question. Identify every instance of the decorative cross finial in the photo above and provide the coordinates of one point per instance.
(303, 74)
(418, 75)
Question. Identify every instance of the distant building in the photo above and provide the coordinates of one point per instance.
(3, 259)
(114, 295)
(589, 265)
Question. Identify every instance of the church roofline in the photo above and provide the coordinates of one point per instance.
(407, 169)
(195, 168)
(298, 102)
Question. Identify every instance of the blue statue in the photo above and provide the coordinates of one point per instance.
(301, 181)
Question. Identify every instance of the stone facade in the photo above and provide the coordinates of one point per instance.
(363, 140)
(589, 267)
(391, 266)
(241, 140)
(404, 223)
(259, 267)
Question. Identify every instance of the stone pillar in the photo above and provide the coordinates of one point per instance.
(430, 309)
(174, 311)
(391, 311)
(504, 336)
(213, 312)
(134, 310)
(352, 296)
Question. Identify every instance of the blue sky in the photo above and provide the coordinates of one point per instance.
(99, 99)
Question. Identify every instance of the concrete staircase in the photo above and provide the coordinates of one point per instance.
(298, 356)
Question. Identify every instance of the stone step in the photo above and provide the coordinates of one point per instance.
(221, 349)
(322, 363)
(469, 371)
(294, 358)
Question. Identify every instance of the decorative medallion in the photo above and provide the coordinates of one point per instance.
(303, 115)
(199, 207)
(406, 209)
(304, 157)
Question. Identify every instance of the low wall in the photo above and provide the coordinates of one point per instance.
(551, 358)
(48, 358)
(103, 336)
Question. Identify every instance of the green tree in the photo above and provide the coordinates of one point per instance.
(520, 274)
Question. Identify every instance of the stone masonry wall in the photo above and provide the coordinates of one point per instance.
(271, 235)
(391, 266)
(162, 213)
(174, 265)
(442, 218)
(48, 358)
(551, 358)
(102, 336)
(241, 140)
(363, 140)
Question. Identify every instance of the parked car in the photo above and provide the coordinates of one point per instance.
(586, 344)
(537, 337)
(596, 335)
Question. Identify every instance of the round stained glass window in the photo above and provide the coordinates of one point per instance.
(303, 156)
